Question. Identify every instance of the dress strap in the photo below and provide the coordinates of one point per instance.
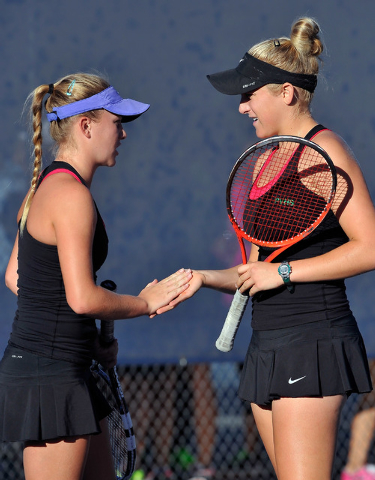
(61, 170)
(314, 131)
(60, 167)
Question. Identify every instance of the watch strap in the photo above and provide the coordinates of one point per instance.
(286, 277)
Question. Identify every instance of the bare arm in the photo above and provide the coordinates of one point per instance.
(11, 275)
(69, 222)
(357, 220)
(221, 280)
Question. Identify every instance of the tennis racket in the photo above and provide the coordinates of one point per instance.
(119, 422)
(278, 192)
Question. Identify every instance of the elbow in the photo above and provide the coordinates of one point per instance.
(81, 305)
(83, 299)
(11, 282)
(79, 309)
(7, 281)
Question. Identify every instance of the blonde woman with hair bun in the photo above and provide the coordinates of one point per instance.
(48, 397)
(306, 354)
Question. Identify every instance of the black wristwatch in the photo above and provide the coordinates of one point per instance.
(284, 271)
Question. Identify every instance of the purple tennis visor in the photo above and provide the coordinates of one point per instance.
(109, 99)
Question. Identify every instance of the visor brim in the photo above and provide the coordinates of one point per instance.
(231, 82)
(128, 109)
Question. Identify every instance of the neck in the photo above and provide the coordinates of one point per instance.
(298, 126)
(86, 172)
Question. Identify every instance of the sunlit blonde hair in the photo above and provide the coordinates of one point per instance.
(68, 89)
(297, 54)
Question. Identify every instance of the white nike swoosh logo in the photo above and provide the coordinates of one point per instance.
(290, 381)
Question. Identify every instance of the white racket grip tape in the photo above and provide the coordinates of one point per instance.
(107, 330)
(228, 333)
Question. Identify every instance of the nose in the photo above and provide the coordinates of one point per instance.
(244, 104)
(123, 134)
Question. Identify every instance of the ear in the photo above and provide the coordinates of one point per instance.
(84, 124)
(288, 93)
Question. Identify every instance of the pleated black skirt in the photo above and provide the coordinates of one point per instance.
(313, 360)
(44, 399)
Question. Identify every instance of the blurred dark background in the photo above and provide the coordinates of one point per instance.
(164, 202)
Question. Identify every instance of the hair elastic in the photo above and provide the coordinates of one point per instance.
(51, 88)
(276, 42)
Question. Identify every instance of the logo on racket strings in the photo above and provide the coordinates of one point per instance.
(284, 201)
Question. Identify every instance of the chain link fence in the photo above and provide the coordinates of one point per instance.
(188, 416)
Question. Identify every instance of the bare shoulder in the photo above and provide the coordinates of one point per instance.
(62, 204)
(63, 192)
(336, 147)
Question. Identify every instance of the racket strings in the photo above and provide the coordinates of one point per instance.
(118, 439)
(120, 428)
(277, 193)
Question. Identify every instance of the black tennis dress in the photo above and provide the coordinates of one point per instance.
(46, 388)
(305, 343)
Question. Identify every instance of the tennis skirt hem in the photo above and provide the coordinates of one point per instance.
(43, 399)
(319, 359)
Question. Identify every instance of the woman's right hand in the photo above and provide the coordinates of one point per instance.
(195, 283)
(160, 295)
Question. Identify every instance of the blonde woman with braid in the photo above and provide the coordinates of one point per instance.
(48, 399)
(306, 354)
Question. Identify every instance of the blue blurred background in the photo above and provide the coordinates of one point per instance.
(164, 202)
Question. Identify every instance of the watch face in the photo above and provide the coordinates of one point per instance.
(284, 269)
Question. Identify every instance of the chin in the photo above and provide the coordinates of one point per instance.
(111, 162)
(262, 134)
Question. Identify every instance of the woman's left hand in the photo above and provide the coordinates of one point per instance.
(106, 355)
(258, 276)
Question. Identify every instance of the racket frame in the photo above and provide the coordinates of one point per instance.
(281, 244)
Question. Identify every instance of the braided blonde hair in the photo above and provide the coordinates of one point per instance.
(68, 89)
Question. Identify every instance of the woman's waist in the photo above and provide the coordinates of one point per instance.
(343, 326)
(20, 367)
(66, 338)
(308, 303)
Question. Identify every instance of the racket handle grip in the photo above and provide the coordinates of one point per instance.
(228, 333)
(107, 328)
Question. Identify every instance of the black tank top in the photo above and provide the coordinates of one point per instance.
(312, 301)
(44, 323)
